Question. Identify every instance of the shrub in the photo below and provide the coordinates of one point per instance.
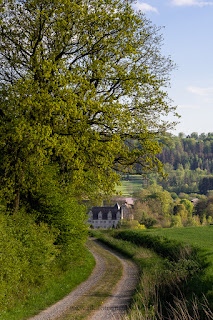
(62, 212)
(27, 256)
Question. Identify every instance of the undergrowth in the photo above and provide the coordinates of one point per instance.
(56, 288)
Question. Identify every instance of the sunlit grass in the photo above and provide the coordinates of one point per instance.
(202, 238)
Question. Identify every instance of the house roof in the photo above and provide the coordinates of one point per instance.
(105, 211)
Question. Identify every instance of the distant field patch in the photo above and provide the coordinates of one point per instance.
(130, 186)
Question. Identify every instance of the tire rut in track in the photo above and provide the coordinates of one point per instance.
(114, 306)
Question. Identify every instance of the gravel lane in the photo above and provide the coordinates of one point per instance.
(59, 308)
(113, 307)
(117, 304)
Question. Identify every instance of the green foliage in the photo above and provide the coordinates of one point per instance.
(176, 221)
(54, 205)
(153, 207)
(45, 237)
(188, 205)
(28, 256)
(159, 200)
(77, 87)
(204, 209)
(57, 287)
(131, 224)
(206, 185)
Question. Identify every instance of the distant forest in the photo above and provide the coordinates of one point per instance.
(188, 163)
(192, 152)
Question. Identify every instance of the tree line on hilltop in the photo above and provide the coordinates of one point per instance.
(188, 164)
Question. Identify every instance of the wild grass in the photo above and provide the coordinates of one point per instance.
(169, 271)
(202, 238)
(55, 289)
(178, 311)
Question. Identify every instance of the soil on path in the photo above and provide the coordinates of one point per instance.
(117, 304)
(114, 306)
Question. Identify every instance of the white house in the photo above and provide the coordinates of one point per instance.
(105, 217)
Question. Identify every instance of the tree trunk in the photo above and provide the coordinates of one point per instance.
(16, 201)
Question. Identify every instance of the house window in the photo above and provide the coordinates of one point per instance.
(109, 215)
(100, 215)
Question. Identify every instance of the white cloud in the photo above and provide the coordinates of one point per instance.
(204, 92)
(196, 3)
(189, 106)
(144, 7)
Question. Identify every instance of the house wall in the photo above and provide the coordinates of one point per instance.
(105, 223)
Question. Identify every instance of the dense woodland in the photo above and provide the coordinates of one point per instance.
(192, 152)
(188, 164)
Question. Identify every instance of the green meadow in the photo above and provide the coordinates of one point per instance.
(129, 187)
(201, 236)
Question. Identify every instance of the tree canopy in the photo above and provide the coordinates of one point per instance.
(82, 84)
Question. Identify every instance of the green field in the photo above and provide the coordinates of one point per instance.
(201, 237)
(129, 187)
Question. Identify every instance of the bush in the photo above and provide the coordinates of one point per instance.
(59, 210)
(27, 258)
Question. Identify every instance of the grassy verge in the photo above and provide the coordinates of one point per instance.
(202, 238)
(57, 287)
(101, 290)
(168, 272)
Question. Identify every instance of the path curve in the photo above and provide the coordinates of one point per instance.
(114, 306)
(117, 304)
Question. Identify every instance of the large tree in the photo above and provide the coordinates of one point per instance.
(81, 83)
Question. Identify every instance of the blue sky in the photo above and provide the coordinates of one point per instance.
(188, 39)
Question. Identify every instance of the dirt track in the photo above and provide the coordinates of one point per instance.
(113, 307)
